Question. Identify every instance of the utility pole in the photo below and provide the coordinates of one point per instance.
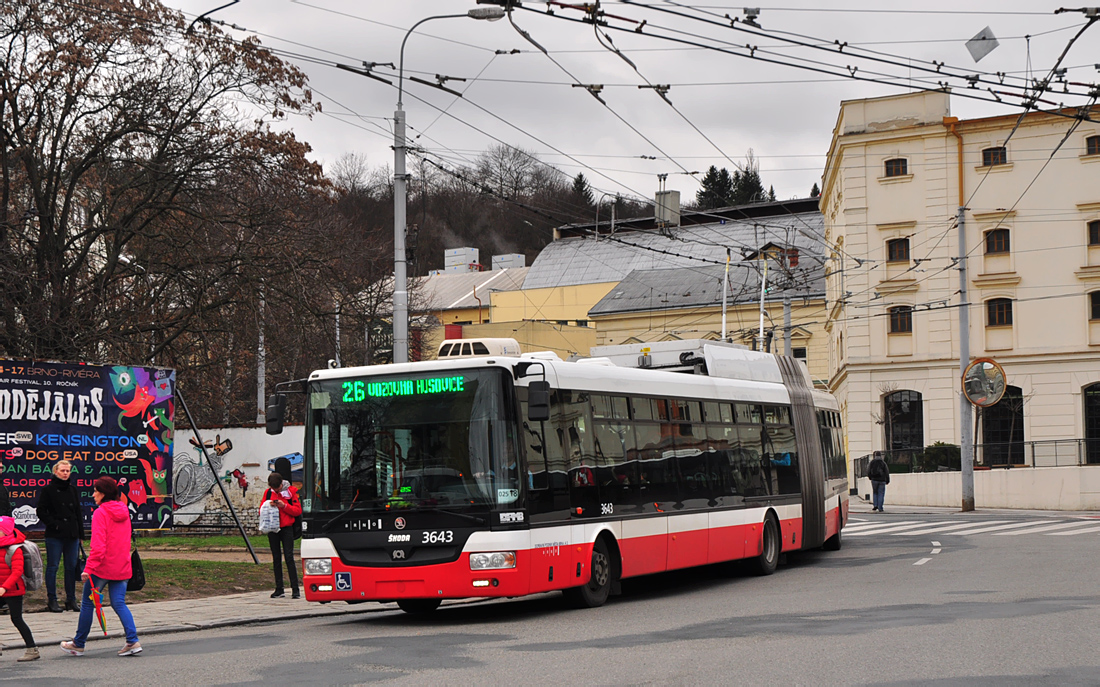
(787, 326)
(966, 410)
(725, 290)
(763, 290)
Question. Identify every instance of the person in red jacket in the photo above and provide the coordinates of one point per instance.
(285, 498)
(12, 588)
(108, 567)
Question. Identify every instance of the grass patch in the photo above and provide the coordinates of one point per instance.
(178, 579)
(200, 543)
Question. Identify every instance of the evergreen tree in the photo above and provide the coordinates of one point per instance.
(582, 191)
(747, 186)
(771, 194)
(815, 191)
(717, 190)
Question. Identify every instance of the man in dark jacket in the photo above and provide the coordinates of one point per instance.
(879, 473)
(59, 509)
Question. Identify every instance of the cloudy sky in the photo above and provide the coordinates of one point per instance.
(723, 101)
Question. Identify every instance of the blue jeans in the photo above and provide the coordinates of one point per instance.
(55, 548)
(879, 490)
(117, 591)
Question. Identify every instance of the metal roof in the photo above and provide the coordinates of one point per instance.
(694, 287)
(450, 291)
(603, 258)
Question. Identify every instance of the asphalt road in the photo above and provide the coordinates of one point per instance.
(910, 599)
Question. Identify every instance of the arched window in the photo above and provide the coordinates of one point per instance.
(996, 155)
(898, 167)
(901, 320)
(996, 241)
(1092, 423)
(1003, 429)
(999, 312)
(897, 250)
(903, 420)
(1092, 145)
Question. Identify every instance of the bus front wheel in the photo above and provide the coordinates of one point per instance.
(768, 559)
(594, 593)
(418, 605)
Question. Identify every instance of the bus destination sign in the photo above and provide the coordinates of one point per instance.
(360, 390)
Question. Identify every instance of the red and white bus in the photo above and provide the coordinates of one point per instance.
(506, 476)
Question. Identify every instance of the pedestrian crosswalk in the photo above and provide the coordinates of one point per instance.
(995, 528)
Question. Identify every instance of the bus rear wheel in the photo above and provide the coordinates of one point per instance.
(768, 560)
(832, 543)
(418, 605)
(594, 593)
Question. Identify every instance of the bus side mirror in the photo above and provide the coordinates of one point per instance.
(538, 401)
(276, 413)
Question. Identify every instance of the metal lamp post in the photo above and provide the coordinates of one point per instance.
(400, 276)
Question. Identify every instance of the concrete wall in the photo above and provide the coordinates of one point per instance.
(1065, 488)
(245, 450)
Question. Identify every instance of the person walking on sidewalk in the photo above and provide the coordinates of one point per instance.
(12, 588)
(108, 567)
(879, 473)
(285, 498)
(59, 509)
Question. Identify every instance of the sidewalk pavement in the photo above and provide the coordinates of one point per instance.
(157, 617)
(856, 505)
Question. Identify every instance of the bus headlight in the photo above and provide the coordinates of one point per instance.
(493, 561)
(318, 566)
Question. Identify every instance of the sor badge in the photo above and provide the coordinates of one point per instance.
(399, 523)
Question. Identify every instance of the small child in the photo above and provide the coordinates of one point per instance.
(12, 588)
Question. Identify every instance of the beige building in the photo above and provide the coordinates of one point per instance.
(898, 170)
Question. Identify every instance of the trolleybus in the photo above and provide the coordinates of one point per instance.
(512, 475)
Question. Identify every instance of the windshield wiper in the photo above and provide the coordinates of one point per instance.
(480, 520)
(350, 508)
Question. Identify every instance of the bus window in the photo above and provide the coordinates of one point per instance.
(783, 457)
(711, 412)
(722, 446)
(617, 465)
(445, 349)
(643, 409)
(580, 457)
(749, 414)
(619, 408)
(687, 411)
(480, 348)
(756, 473)
(601, 406)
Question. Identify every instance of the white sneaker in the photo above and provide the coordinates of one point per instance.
(72, 649)
(130, 649)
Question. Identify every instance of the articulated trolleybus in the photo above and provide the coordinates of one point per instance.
(502, 476)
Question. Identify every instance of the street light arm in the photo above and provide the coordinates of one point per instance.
(401, 61)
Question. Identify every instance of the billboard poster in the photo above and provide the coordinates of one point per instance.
(111, 420)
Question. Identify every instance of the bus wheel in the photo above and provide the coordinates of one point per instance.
(768, 559)
(832, 543)
(418, 605)
(596, 591)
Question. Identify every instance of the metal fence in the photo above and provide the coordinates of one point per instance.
(1017, 454)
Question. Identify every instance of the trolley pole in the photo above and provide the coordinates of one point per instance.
(966, 410)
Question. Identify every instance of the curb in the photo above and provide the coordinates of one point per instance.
(216, 624)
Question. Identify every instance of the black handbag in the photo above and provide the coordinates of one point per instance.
(81, 559)
(137, 573)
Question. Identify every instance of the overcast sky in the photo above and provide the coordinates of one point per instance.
(783, 113)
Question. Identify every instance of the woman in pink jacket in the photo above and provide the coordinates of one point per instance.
(108, 567)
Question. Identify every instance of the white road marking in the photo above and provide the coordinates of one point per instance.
(1036, 530)
(936, 550)
(887, 529)
(922, 561)
(935, 543)
(876, 525)
(1064, 534)
(939, 528)
(980, 530)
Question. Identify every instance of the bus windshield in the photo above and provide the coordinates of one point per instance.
(441, 439)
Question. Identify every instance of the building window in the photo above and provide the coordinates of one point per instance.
(901, 320)
(897, 250)
(898, 167)
(1094, 305)
(1003, 429)
(999, 312)
(799, 352)
(903, 423)
(1094, 232)
(996, 241)
(1092, 423)
(994, 156)
(1092, 145)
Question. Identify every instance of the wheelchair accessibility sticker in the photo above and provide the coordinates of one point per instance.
(343, 582)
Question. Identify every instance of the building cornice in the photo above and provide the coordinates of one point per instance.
(989, 281)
